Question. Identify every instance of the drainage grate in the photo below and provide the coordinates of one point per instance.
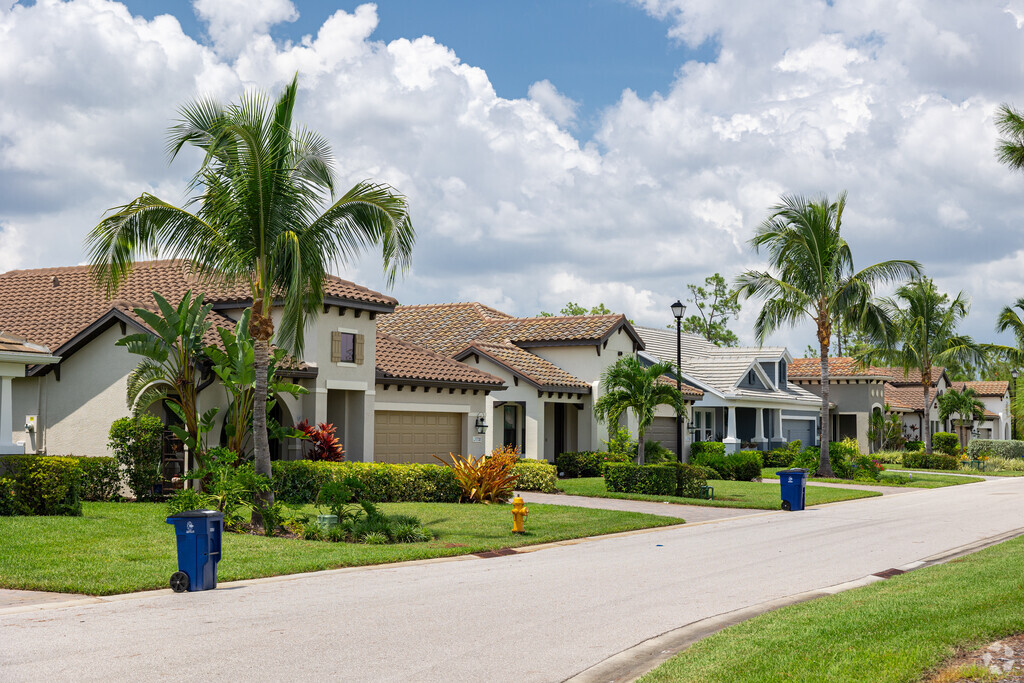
(496, 553)
(889, 573)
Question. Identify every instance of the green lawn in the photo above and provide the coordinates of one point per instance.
(998, 473)
(888, 632)
(728, 494)
(124, 547)
(926, 480)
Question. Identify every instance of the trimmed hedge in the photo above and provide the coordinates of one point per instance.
(690, 479)
(946, 442)
(6, 497)
(101, 478)
(44, 485)
(655, 480)
(698, 448)
(911, 446)
(935, 461)
(586, 463)
(299, 481)
(995, 448)
(782, 456)
(536, 475)
(745, 466)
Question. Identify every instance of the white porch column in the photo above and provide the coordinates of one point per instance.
(732, 444)
(759, 428)
(6, 413)
(777, 416)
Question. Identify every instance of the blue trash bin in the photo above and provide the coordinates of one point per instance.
(793, 483)
(199, 538)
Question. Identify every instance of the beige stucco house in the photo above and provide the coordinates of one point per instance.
(390, 400)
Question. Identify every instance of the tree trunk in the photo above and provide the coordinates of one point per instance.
(927, 422)
(261, 444)
(640, 447)
(824, 463)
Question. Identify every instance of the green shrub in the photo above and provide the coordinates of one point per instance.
(655, 453)
(841, 455)
(995, 448)
(708, 473)
(912, 446)
(7, 507)
(715, 461)
(184, 500)
(690, 479)
(656, 480)
(744, 466)
(935, 461)
(135, 442)
(866, 468)
(587, 463)
(45, 485)
(299, 481)
(941, 461)
(703, 447)
(946, 442)
(101, 478)
(889, 457)
(782, 456)
(536, 475)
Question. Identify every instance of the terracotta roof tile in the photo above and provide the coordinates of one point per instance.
(998, 388)
(540, 372)
(13, 343)
(400, 360)
(52, 305)
(810, 368)
(899, 376)
(687, 390)
(907, 397)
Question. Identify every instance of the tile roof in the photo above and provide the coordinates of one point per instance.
(687, 390)
(907, 397)
(899, 376)
(14, 344)
(400, 360)
(998, 389)
(448, 328)
(841, 366)
(52, 305)
(536, 370)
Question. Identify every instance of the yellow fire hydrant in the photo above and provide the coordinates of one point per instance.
(519, 512)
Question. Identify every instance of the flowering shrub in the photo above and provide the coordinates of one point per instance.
(324, 445)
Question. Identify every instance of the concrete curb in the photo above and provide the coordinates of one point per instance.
(634, 662)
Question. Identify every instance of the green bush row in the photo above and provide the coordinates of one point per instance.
(7, 506)
(668, 479)
(101, 478)
(43, 485)
(935, 461)
(585, 463)
(995, 448)
(706, 447)
(536, 475)
(299, 481)
(742, 466)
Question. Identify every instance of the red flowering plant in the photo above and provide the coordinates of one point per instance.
(323, 444)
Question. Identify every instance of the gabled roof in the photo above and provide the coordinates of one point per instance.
(908, 397)
(689, 392)
(53, 305)
(901, 377)
(839, 367)
(14, 349)
(403, 363)
(997, 389)
(539, 372)
(448, 328)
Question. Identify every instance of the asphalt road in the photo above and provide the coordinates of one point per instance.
(540, 616)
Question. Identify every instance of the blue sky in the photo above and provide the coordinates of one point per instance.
(591, 50)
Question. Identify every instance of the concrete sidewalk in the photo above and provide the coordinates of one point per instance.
(690, 513)
(538, 616)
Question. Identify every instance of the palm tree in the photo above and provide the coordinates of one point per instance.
(923, 334)
(1010, 146)
(1009, 321)
(632, 385)
(258, 216)
(964, 403)
(171, 366)
(815, 280)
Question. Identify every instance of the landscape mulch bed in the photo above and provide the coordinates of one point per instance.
(1002, 660)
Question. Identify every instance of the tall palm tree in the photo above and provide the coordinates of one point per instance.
(923, 334)
(1010, 146)
(632, 385)
(263, 212)
(814, 279)
(1010, 321)
(964, 403)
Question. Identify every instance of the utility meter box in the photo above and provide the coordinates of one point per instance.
(30, 423)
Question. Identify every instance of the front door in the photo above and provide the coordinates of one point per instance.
(510, 424)
(703, 424)
(559, 429)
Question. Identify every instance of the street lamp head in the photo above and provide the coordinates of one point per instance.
(1014, 373)
(678, 309)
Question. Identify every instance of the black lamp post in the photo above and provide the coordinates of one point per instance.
(678, 310)
(1013, 392)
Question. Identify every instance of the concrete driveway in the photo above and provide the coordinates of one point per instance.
(539, 616)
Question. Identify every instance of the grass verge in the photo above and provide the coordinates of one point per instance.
(920, 480)
(997, 473)
(728, 494)
(125, 547)
(888, 632)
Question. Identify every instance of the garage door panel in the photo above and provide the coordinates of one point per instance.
(663, 429)
(407, 437)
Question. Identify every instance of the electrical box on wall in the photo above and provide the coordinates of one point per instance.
(30, 423)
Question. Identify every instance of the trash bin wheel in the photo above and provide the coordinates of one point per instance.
(179, 582)
(785, 506)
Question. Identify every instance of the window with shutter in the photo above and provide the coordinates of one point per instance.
(343, 347)
(357, 351)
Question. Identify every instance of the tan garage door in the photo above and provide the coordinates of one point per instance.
(663, 429)
(415, 437)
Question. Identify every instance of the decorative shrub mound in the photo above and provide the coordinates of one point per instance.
(841, 455)
(946, 442)
(586, 463)
(742, 466)
(994, 448)
(536, 475)
(782, 456)
(299, 481)
(715, 461)
(935, 461)
(135, 442)
(101, 478)
(44, 485)
(655, 480)
(911, 446)
(706, 447)
(6, 497)
(708, 473)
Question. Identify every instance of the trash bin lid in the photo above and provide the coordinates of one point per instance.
(196, 513)
(793, 470)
